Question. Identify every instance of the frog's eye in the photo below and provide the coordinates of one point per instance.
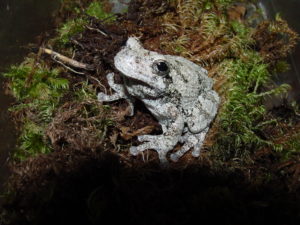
(161, 67)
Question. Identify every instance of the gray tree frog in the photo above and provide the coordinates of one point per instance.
(175, 90)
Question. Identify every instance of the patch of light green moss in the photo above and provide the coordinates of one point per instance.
(95, 9)
(38, 91)
(77, 25)
(70, 28)
(242, 118)
(292, 147)
(32, 141)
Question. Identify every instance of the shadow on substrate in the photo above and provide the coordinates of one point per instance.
(76, 187)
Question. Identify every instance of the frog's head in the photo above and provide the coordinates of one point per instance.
(147, 67)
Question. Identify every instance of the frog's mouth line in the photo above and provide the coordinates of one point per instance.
(145, 81)
(157, 93)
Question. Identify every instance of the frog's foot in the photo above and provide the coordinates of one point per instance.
(190, 141)
(120, 93)
(119, 89)
(160, 143)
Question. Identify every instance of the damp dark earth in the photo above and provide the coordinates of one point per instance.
(64, 155)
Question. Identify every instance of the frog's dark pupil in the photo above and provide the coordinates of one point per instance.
(163, 67)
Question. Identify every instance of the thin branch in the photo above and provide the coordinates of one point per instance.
(65, 60)
(98, 30)
(100, 84)
(67, 67)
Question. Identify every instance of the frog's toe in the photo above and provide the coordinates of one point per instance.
(196, 150)
(174, 157)
(133, 150)
(196, 153)
(163, 159)
(102, 97)
(198, 146)
(110, 78)
(143, 138)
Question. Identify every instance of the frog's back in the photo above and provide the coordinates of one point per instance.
(188, 78)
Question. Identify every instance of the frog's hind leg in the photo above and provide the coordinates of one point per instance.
(198, 146)
(191, 141)
(135, 150)
(160, 143)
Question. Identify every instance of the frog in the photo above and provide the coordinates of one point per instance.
(175, 90)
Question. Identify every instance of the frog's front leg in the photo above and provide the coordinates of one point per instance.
(165, 142)
(120, 93)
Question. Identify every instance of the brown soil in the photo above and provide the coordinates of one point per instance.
(84, 187)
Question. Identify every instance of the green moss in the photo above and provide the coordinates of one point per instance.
(70, 28)
(242, 118)
(85, 92)
(77, 25)
(74, 6)
(281, 67)
(224, 3)
(95, 9)
(291, 147)
(32, 141)
(37, 91)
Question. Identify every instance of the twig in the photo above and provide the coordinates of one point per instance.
(100, 84)
(98, 30)
(67, 67)
(65, 60)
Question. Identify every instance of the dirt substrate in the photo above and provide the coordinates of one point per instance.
(87, 180)
(81, 187)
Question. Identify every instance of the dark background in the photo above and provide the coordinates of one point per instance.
(21, 21)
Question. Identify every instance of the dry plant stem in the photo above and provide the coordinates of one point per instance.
(63, 59)
(98, 30)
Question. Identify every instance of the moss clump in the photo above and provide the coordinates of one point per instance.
(69, 29)
(76, 25)
(243, 115)
(38, 91)
(291, 147)
(32, 141)
(95, 9)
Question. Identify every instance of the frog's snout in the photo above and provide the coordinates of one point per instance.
(133, 43)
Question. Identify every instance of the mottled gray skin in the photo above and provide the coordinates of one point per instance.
(179, 94)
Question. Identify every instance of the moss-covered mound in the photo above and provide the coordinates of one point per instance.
(72, 163)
